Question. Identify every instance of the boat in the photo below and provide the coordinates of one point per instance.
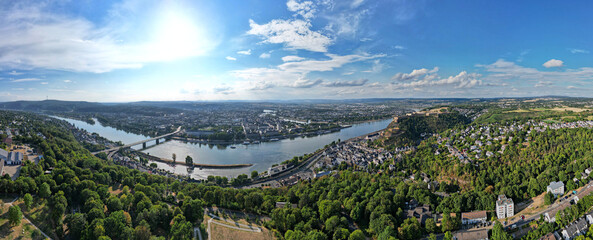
(273, 139)
(233, 147)
(256, 142)
(246, 143)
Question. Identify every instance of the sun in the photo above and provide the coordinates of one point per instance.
(178, 35)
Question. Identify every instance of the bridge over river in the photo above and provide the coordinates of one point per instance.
(111, 151)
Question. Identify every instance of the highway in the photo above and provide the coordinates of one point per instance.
(137, 143)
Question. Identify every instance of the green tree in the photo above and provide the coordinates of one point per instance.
(341, 234)
(328, 208)
(316, 235)
(448, 236)
(76, 223)
(15, 215)
(189, 161)
(181, 229)
(58, 203)
(118, 225)
(294, 235)
(431, 226)
(114, 204)
(548, 198)
(498, 232)
(193, 210)
(142, 232)
(357, 235)
(28, 199)
(254, 174)
(44, 191)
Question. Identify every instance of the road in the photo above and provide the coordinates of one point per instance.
(306, 165)
(137, 143)
(556, 206)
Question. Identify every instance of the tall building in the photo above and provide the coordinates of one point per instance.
(504, 207)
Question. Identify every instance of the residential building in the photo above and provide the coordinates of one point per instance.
(3, 154)
(422, 213)
(575, 229)
(556, 188)
(321, 174)
(14, 158)
(278, 169)
(504, 207)
(549, 236)
(471, 235)
(473, 217)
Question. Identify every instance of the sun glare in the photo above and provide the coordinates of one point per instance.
(178, 36)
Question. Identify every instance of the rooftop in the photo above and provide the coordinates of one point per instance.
(473, 215)
(555, 185)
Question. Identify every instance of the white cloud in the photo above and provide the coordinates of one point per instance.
(26, 80)
(245, 52)
(305, 83)
(15, 73)
(44, 83)
(230, 58)
(294, 74)
(416, 73)
(292, 58)
(294, 34)
(574, 50)
(461, 80)
(543, 84)
(356, 3)
(304, 8)
(376, 68)
(366, 39)
(399, 47)
(505, 70)
(67, 81)
(346, 23)
(352, 83)
(553, 63)
(265, 55)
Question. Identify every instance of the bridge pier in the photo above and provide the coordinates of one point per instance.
(143, 145)
(157, 141)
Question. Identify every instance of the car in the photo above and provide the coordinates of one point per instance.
(522, 217)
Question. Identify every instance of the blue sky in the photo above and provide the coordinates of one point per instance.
(136, 50)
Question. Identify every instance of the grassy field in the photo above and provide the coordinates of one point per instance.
(22, 231)
(219, 232)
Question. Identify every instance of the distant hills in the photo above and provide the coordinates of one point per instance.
(83, 106)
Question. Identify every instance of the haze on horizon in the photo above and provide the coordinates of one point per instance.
(132, 50)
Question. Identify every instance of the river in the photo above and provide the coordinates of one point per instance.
(262, 155)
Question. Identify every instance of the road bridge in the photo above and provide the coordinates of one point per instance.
(143, 142)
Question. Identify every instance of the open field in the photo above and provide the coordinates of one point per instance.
(219, 232)
(235, 225)
(22, 231)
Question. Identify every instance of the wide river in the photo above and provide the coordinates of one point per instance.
(262, 156)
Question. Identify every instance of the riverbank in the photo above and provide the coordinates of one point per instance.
(266, 139)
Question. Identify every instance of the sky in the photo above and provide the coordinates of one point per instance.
(194, 50)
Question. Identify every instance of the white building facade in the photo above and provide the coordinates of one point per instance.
(504, 207)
